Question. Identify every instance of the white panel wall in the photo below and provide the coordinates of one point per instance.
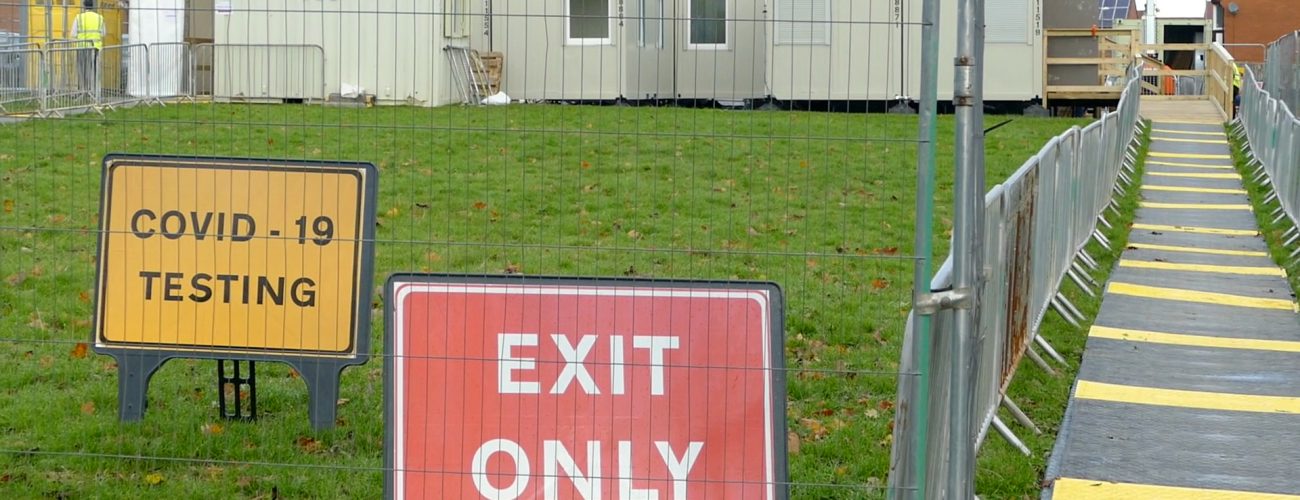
(391, 48)
(871, 56)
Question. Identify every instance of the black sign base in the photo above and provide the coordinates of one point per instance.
(231, 404)
(135, 368)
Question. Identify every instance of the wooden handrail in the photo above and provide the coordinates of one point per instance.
(1160, 47)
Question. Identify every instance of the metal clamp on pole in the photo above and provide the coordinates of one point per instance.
(958, 298)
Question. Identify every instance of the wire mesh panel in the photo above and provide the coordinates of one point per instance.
(71, 79)
(1282, 75)
(672, 145)
(124, 76)
(169, 68)
(264, 73)
(20, 80)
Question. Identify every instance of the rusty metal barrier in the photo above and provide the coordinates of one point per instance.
(1037, 226)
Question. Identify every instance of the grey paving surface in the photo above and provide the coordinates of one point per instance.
(1177, 444)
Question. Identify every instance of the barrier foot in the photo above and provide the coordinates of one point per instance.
(133, 373)
(1260, 176)
(1278, 217)
(1291, 239)
(323, 390)
(1038, 360)
(1102, 219)
(1114, 210)
(1080, 283)
(1271, 198)
(1047, 348)
(1065, 311)
(1101, 238)
(1020, 415)
(1082, 269)
(1089, 261)
(1124, 177)
(1009, 436)
(1293, 254)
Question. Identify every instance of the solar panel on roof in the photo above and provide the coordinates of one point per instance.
(1112, 10)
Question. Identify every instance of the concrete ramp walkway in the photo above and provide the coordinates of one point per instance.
(1190, 383)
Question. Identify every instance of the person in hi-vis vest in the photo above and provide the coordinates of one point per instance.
(88, 27)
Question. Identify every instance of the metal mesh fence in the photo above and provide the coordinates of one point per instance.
(1269, 125)
(1281, 77)
(20, 80)
(1037, 226)
(665, 145)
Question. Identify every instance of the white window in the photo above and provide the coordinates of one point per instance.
(1006, 21)
(652, 23)
(588, 22)
(803, 22)
(708, 28)
(455, 18)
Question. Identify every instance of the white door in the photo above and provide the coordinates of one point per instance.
(721, 49)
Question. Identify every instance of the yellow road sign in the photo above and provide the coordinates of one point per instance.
(235, 256)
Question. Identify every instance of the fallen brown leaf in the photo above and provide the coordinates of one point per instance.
(79, 350)
(308, 444)
(88, 408)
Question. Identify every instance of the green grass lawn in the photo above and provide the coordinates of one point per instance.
(821, 203)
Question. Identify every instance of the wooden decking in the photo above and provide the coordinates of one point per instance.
(1181, 109)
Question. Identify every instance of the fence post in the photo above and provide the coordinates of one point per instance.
(911, 463)
(967, 247)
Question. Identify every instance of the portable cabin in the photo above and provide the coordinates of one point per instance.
(53, 19)
(589, 50)
(854, 50)
(389, 48)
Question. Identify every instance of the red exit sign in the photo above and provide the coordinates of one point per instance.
(549, 388)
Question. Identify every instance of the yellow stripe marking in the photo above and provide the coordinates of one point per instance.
(1208, 251)
(1190, 122)
(1182, 189)
(1068, 489)
(1188, 165)
(1195, 176)
(1199, 297)
(1195, 141)
(1186, 132)
(1100, 391)
(1195, 206)
(1204, 268)
(1197, 230)
(1193, 340)
(1188, 156)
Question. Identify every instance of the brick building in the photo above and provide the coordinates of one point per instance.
(1253, 22)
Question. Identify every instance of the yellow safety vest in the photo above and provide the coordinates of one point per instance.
(88, 26)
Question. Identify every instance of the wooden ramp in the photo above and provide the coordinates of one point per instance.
(1195, 109)
(1190, 382)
